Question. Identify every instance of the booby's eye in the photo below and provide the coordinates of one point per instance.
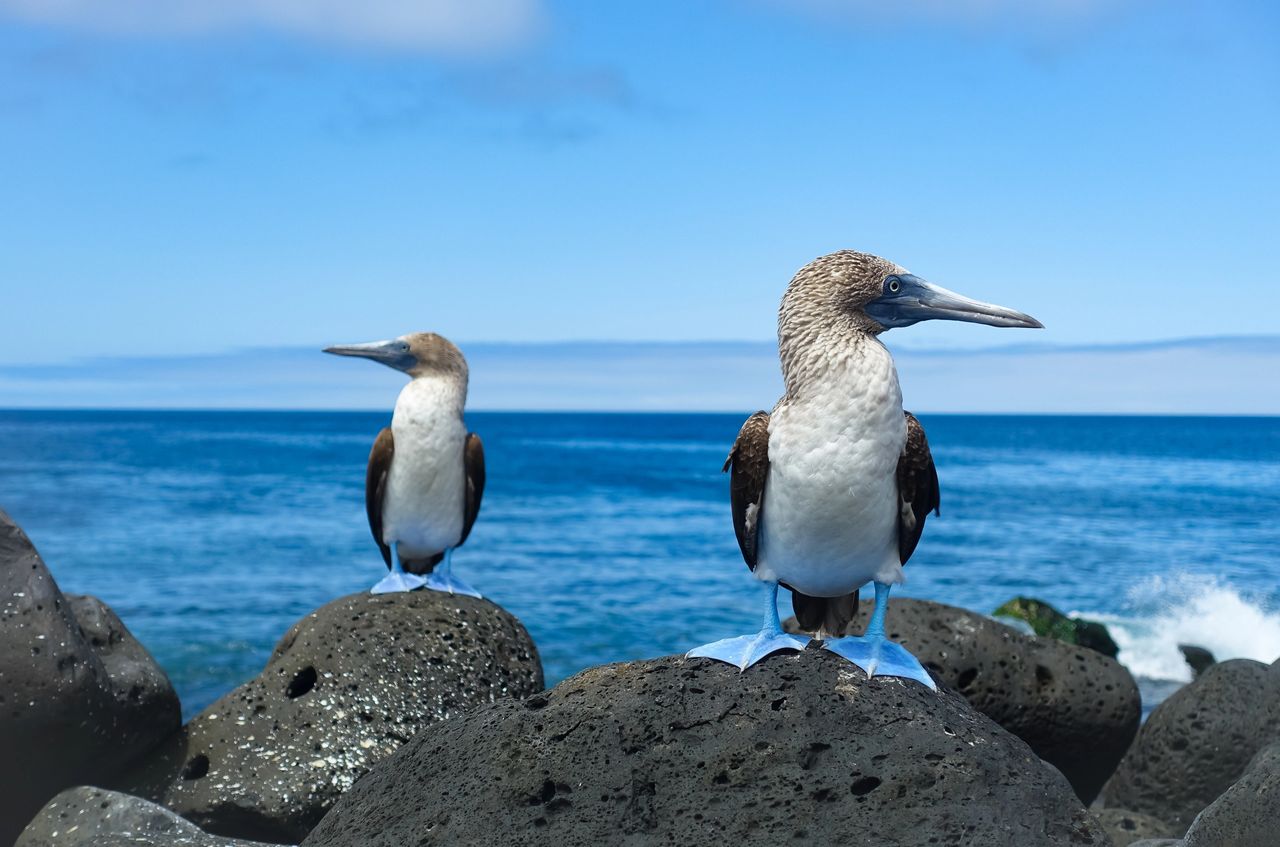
(893, 285)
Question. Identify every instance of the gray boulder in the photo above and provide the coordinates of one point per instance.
(80, 698)
(1198, 742)
(798, 749)
(93, 817)
(1198, 658)
(1248, 813)
(345, 687)
(1126, 827)
(1077, 708)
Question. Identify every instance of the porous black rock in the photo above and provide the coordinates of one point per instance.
(1198, 742)
(1126, 827)
(1077, 708)
(1198, 658)
(94, 817)
(345, 687)
(1248, 813)
(80, 698)
(797, 749)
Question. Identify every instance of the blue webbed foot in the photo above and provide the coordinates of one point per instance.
(450, 584)
(398, 581)
(879, 656)
(745, 650)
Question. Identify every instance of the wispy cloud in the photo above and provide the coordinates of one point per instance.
(525, 101)
(414, 25)
(541, 86)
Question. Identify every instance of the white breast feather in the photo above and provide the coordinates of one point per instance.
(831, 503)
(423, 509)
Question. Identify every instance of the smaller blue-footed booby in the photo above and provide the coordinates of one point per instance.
(426, 472)
(830, 491)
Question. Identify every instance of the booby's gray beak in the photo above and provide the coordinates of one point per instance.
(394, 353)
(907, 299)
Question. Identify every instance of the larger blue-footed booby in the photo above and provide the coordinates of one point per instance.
(831, 490)
(426, 472)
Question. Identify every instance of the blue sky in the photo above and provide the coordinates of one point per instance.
(238, 174)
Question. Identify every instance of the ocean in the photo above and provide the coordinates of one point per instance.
(609, 535)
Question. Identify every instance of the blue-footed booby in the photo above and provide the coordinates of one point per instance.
(426, 472)
(830, 491)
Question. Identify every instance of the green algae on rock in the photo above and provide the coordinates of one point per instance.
(1048, 622)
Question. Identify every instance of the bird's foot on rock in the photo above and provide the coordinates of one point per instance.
(398, 581)
(879, 656)
(745, 650)
(450, 584)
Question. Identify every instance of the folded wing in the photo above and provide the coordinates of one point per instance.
(375, 486)
(473, 464)
(917, 488)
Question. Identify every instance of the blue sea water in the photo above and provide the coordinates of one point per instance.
(609, 535)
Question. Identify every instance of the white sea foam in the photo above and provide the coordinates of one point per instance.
(1190, 609)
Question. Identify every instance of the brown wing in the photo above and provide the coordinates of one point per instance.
(375, 486)
(749, 461)
(917, 486)
(473, 464)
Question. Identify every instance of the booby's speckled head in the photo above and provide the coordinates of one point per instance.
(417, 354)
(874, 294)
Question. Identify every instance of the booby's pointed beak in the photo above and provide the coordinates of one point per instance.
(393, 353)
(907, 299)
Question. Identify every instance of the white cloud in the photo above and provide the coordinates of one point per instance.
(434, 25)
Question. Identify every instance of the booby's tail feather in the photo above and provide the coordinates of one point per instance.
(422, 567)
(827, 617)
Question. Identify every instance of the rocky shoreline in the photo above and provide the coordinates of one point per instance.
(421, 719)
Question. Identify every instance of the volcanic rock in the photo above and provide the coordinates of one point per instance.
(1126, 827)
(797, 749)
(345, 687)
(1248, 813)
(1077, 709)
(1198, 742)
(93, 817)
(79, 697)
(1198, 658)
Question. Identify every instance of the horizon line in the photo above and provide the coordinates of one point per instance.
(1025, 347)
(267, 410)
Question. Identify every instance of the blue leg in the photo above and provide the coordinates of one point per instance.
(744, 651)
(875, 653)
(442, 578)
(398, 580)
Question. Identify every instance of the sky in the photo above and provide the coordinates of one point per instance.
(206, 177)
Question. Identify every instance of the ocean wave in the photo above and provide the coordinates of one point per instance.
(1190, 609)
